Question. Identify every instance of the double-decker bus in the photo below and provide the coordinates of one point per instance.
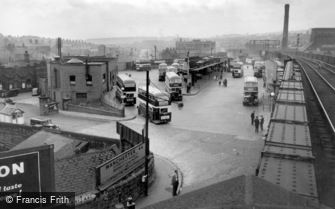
(173, 86)
(161, 71)
(159, 104)
(125, 89)
(143, 65)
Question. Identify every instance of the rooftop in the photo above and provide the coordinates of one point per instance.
(77, 174)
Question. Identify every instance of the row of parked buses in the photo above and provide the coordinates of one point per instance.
(159, 101)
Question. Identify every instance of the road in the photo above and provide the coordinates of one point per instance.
(210, 139)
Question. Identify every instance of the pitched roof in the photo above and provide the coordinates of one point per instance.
(77, 174)
(75, 61)
(63, 146)
(239, 192)
(10, 110)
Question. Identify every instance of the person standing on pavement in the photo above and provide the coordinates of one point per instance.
(261, 122)
(225, 82)
(252, 116)
(256, 124)
(130, 203)
(175, 183)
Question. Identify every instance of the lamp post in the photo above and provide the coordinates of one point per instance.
(146, 139)
(272, 96)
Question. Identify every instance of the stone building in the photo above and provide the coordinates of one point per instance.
(23, 77)
(195, 48)
(80, 79)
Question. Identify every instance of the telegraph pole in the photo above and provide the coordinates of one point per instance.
(298, 40)
(146, 166)
(155, 52)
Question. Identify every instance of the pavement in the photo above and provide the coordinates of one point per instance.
(161, 189)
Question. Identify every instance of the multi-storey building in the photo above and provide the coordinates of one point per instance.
(80, 79)
(195, 48)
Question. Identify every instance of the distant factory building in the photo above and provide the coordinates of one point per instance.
(80, 79)
(322, 39)
(195, 48)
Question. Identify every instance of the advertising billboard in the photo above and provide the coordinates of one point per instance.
(27, 170)
(118, 167)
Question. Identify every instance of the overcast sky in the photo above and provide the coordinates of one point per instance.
(83, 19)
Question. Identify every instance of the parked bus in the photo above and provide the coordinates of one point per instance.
(250, 91)
(161, 71)
(125, 89)
(173, 86)
(159, 105)
(143, 65)
(259, 67)
(236, 70)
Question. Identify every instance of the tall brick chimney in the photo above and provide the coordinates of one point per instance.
(285, 30)
(59, 47)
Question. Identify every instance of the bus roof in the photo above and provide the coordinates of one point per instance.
(162, 64)
(172, 68)
(153, 90)
(125, 77)
(251, 79)
(172, 74)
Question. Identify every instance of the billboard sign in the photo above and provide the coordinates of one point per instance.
(118, 167)
(27, 170)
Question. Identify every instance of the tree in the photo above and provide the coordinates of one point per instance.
(169, 53)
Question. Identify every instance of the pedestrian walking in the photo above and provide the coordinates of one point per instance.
(256, 124)
(130, 203)
(225, 82)
(219, 82)
(175, 183)
(252, 116)
(261, 122)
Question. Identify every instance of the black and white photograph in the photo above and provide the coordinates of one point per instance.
(167, 104)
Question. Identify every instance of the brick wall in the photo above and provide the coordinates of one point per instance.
(13, 134)
(92, 110)
(130, 186)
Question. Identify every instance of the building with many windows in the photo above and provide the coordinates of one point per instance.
(195, 48)
(80, 79)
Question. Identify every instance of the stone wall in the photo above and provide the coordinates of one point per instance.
(92, 110)
(132, 185)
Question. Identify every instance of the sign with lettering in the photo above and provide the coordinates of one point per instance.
(121, 165)
(27, 170)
